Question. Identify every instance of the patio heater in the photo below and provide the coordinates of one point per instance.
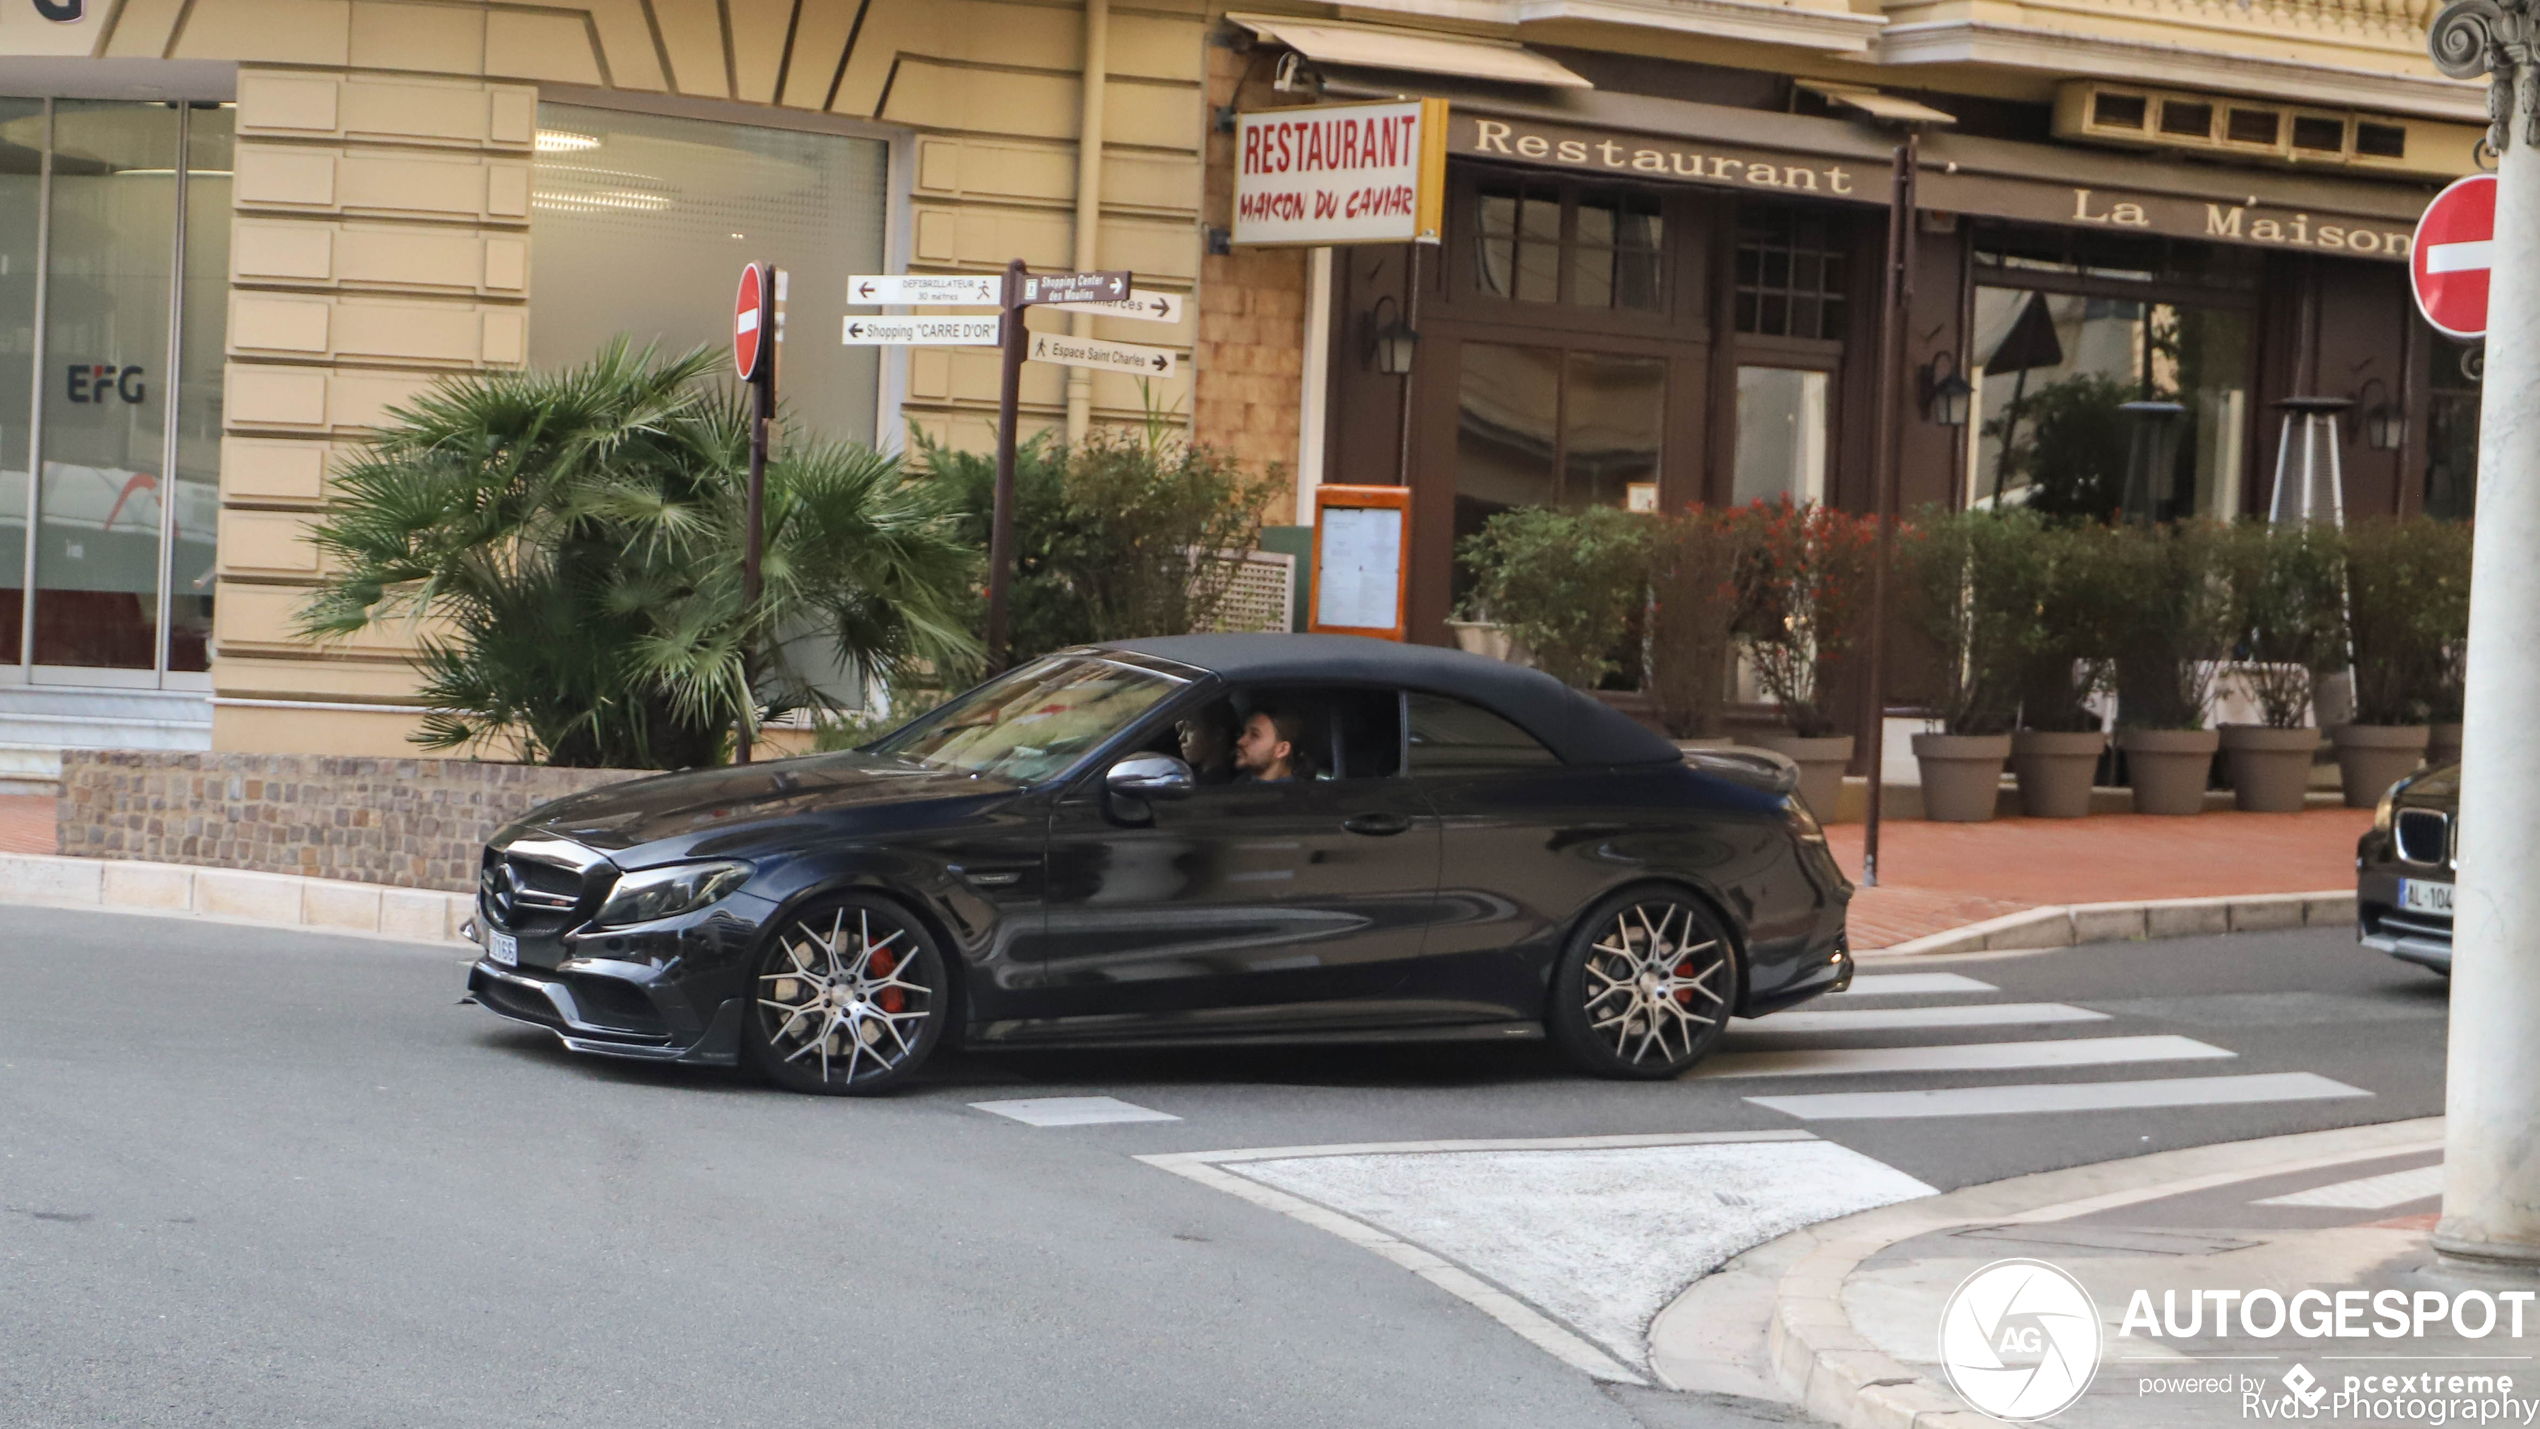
(2151, 457)
(2318, 492)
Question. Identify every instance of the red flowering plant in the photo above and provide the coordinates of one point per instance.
(1804, 585)
(1696, 558)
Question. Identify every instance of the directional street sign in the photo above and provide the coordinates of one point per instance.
(1140, 304)
(916, 290)
(2455, 247)
(1109, 287)
(1129, 357)
(945, 332)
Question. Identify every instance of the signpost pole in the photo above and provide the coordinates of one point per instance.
(762, 412)
(1001, 513)
(1883, 465)
(2491, 1161)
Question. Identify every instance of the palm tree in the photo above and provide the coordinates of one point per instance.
(567, 549)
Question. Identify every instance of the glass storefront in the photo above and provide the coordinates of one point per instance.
(2451, 427)
(114, 257)
(640, 224)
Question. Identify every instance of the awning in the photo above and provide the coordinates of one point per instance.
(1383, 47)
(1875, 103)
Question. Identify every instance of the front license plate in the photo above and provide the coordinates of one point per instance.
(2418, 896)
(505, 949)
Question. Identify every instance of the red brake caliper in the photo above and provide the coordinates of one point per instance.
(1684, 994)
(882, 965)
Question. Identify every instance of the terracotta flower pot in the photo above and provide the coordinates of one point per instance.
(2372, 757)
(1821, 764)
(1962, 775)
(2169, 767)
(2270, 768)
(2056, 769)
(2443, 745)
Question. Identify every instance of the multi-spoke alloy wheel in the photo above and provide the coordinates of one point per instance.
(1645, 987)
(850, 998)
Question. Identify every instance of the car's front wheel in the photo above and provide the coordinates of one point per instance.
(1645, 987)
(850, 999)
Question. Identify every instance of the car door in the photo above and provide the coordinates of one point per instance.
(1295, 903)
(1511, 815)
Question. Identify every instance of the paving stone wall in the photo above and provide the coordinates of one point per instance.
(407, 823)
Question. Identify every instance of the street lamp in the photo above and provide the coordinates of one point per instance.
(1945, 393)
(1388, 344)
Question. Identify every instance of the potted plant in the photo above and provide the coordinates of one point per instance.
(2398, 575)
(1695, 555)
(2070, 585)
(2287, 610)
(1801, 595)
(2447, 620)
(2172, 629)
(1961, 577)
(1564, 585)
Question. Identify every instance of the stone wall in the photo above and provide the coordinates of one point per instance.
(1248, 361)
(408, 823)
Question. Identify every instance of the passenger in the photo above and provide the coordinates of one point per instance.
(1208, 743)
(1273, 747)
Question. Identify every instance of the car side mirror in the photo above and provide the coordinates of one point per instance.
(1150, 776)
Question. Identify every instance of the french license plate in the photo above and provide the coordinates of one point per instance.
(505, 949)
(2418, 896)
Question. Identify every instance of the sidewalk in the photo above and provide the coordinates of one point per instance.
(1934, 877)
(1858, 1304)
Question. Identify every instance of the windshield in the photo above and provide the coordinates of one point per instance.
(1030, 724)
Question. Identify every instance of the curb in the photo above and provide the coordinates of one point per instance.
(1839, 1376)
(2062, 926)
(413, 915)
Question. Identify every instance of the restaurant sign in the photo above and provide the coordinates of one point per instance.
(1341, 173)
(1687, 160)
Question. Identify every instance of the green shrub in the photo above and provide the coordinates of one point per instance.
(1566, 584)
(2073, 596)
(2407, 588)
(2172, 622)
(2288, 618)
(1968, 582)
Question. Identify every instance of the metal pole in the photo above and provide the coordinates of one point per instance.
(1884, 463)
(762, 416)
(1411, 320)
(1001, 512)
(2491, 1160)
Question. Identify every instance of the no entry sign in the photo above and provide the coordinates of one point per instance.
(752, 330)
(2454, 250)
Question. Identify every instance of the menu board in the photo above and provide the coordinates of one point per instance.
(1360, 533)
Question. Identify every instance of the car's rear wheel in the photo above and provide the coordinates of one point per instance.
(850, 999)
(1645, 988)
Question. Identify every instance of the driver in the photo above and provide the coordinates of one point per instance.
(1208, 743)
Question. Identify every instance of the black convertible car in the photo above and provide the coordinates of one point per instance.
(1199, 839)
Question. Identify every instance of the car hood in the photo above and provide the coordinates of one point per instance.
(737, 809)
(2435, 788)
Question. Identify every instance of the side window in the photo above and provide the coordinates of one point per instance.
(1337, 731)
(1449, 736)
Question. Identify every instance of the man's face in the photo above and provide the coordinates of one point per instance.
(1261, 752)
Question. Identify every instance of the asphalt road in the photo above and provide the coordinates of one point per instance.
(268, 1178)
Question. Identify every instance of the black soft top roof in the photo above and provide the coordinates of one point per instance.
(1575, 726)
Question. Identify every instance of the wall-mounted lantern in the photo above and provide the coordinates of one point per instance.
(2384, 425)
(1387, 344)
(1945, 393)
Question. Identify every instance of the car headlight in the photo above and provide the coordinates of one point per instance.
(669, 892)
(2381, 812)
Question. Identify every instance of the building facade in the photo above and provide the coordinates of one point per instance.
(234, 232)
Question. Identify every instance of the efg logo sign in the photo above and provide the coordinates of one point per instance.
(2020, 1340)
(62, 12)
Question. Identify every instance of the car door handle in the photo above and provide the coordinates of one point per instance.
(1378, 825)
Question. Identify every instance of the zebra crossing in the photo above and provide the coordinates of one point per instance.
(1816, 1041)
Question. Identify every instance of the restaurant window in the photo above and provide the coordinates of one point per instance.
(1790, 272)
(1555, 243)
(2451, 428)
(2076, 345)
(1547, 426)
(1781, 435)
(117, 213)
(639, 225)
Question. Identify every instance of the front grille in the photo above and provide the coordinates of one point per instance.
(513, 1000)
(531, 895)
(2422, 835)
